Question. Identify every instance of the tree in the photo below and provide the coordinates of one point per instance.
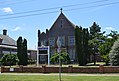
(85, 45)
(94, 45)
(25, 56)
(81, 38)
(94, 29)
(64, 57)
(9, 59)
(22, 51)
(114, 54)
(107, 44)
(78, 37)
(113, 36)
(94, 40)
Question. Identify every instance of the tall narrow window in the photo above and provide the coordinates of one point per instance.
(62, 39)
(61, 23)
(52, 41)
(72, 54)
(71, 40)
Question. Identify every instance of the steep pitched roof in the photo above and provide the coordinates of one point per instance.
(62, 16)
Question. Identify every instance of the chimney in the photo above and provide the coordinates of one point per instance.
(4, 32)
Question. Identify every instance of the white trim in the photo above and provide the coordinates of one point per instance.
(48, 53)
(5, 46)
(43, 54)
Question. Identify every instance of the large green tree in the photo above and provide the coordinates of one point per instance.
(81, 38)
(85, 50)
(22, 51)
(95, 32)
(78, 43)
(114, 54)
(106, 45)
(25, 55)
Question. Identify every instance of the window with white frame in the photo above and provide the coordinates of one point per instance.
(71, 40)
(62, 40)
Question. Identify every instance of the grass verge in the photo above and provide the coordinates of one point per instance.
(55, 78)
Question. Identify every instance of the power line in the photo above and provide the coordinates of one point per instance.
(106, 4)
(32, 11)
(87, 3)
(58, 11)
(29, 15)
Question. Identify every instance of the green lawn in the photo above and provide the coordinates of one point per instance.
(55, 78)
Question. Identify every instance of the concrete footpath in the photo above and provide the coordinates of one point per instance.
(63, 74)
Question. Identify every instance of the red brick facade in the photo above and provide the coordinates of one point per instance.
(63, 29)
(70, 69)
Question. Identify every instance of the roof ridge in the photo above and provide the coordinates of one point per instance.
(62, 14)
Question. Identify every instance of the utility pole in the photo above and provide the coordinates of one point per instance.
(58, 50)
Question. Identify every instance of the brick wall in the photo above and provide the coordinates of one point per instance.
(85, 70)
(111, 69)
(70, 69)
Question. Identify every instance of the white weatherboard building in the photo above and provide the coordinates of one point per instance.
(9, 46)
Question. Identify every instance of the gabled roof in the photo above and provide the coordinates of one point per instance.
(7, 40)
(62, 16)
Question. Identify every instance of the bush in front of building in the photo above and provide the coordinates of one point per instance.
(9, 59)
(64, 57)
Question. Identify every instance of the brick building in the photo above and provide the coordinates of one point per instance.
(65, 30)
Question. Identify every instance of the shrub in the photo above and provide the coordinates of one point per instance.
(9, 59)
(64, 57)
(114, 54)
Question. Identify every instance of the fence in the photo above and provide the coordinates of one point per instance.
(70, 69)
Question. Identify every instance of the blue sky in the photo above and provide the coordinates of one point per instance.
(81, 12)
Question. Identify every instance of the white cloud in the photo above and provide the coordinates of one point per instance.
(17, 28)
(110, 28)
(7, 10)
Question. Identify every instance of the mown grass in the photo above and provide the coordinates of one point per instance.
(55, 78)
